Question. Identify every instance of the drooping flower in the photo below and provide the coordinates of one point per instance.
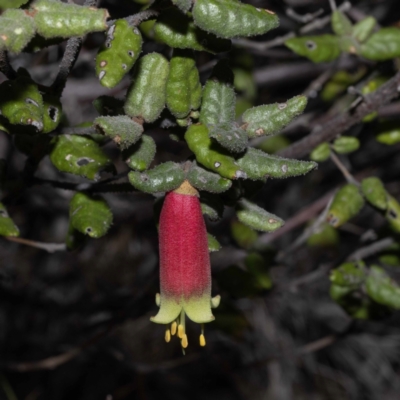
(185, 272)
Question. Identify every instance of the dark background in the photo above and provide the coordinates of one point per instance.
(75, 325)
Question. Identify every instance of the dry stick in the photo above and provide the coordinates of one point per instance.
(338, 124)
(49, 247)
(371, 249)
(348, 176)
(5, 66)
(316, 24)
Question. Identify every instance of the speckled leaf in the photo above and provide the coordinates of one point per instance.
(183, 85)
(211, 155)
(52, 112)
(147, 94)
(79, 155)
(382, 289)
(382, 45)
(374, 191)
(57, 19)
(17, 29)
(122, 129)
(7, 226)
(341, 25)
(178, 31)
(4, 4)
(228, 19)
(141, 154)
(259, 165)
(118, 54)
(183, 5)
(272, 118)
(206, 180)
(363, 29)
(90, 215)
(212, 206)
(162, 178)
(346, 204)
(21, 102)
(322, 48)
(256, 217)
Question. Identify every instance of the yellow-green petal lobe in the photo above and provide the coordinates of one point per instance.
(198, 308)
(170, 308)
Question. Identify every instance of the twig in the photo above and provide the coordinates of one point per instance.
(54, 362)
(371, 249)
(67, 63)
(348, 176)
(76, 130)
(338, 124)
(316, 345)
(333, 5)
(137, 19)
(304, 19)
(49, 247)
(5, 66)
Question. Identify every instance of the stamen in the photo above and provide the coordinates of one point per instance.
(173, 328)
(184, 341)
(202, 340)
(181, 331)
(167, 335)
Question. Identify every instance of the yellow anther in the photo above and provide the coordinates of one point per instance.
(167, 335)
(173, 328)
(202, 340)
(181, 331)
(184, 341)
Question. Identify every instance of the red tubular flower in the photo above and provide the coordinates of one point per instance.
(185, 273)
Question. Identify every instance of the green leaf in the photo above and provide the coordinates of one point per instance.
(325, 236)
(90, 215)
(147, 94)
(243, 235)
(206, 180)
(393, 213)
(321, 152)
(374, 191)
(183, 5)
(141, 154)
(349, 274)
(178, 31)
(52, 112)
(118, 54)
(272, 118)
(389, 134)
(346, 144)
(259, 165)
(228, 19)
(123, 130)
(346, 204)
(21, 102)
(230, 136)
(79, 155)
(382, 45)
(210, 154)
(7, 226)
(341, 25)
(56, 19)
(382, 289)
(256, 217)
(213, 244)
(322, 48)
(4, 4)
(183, 84)
(162, 178)
(363, 29)
(17, 29)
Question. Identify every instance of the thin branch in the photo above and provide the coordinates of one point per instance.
(338, 124)
(348, 176)
(316, 345)
(67, 63)
(49, 247)
(5, 66)
(371, 249)
(77, 130)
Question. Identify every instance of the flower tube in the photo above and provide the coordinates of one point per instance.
(185, 272)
